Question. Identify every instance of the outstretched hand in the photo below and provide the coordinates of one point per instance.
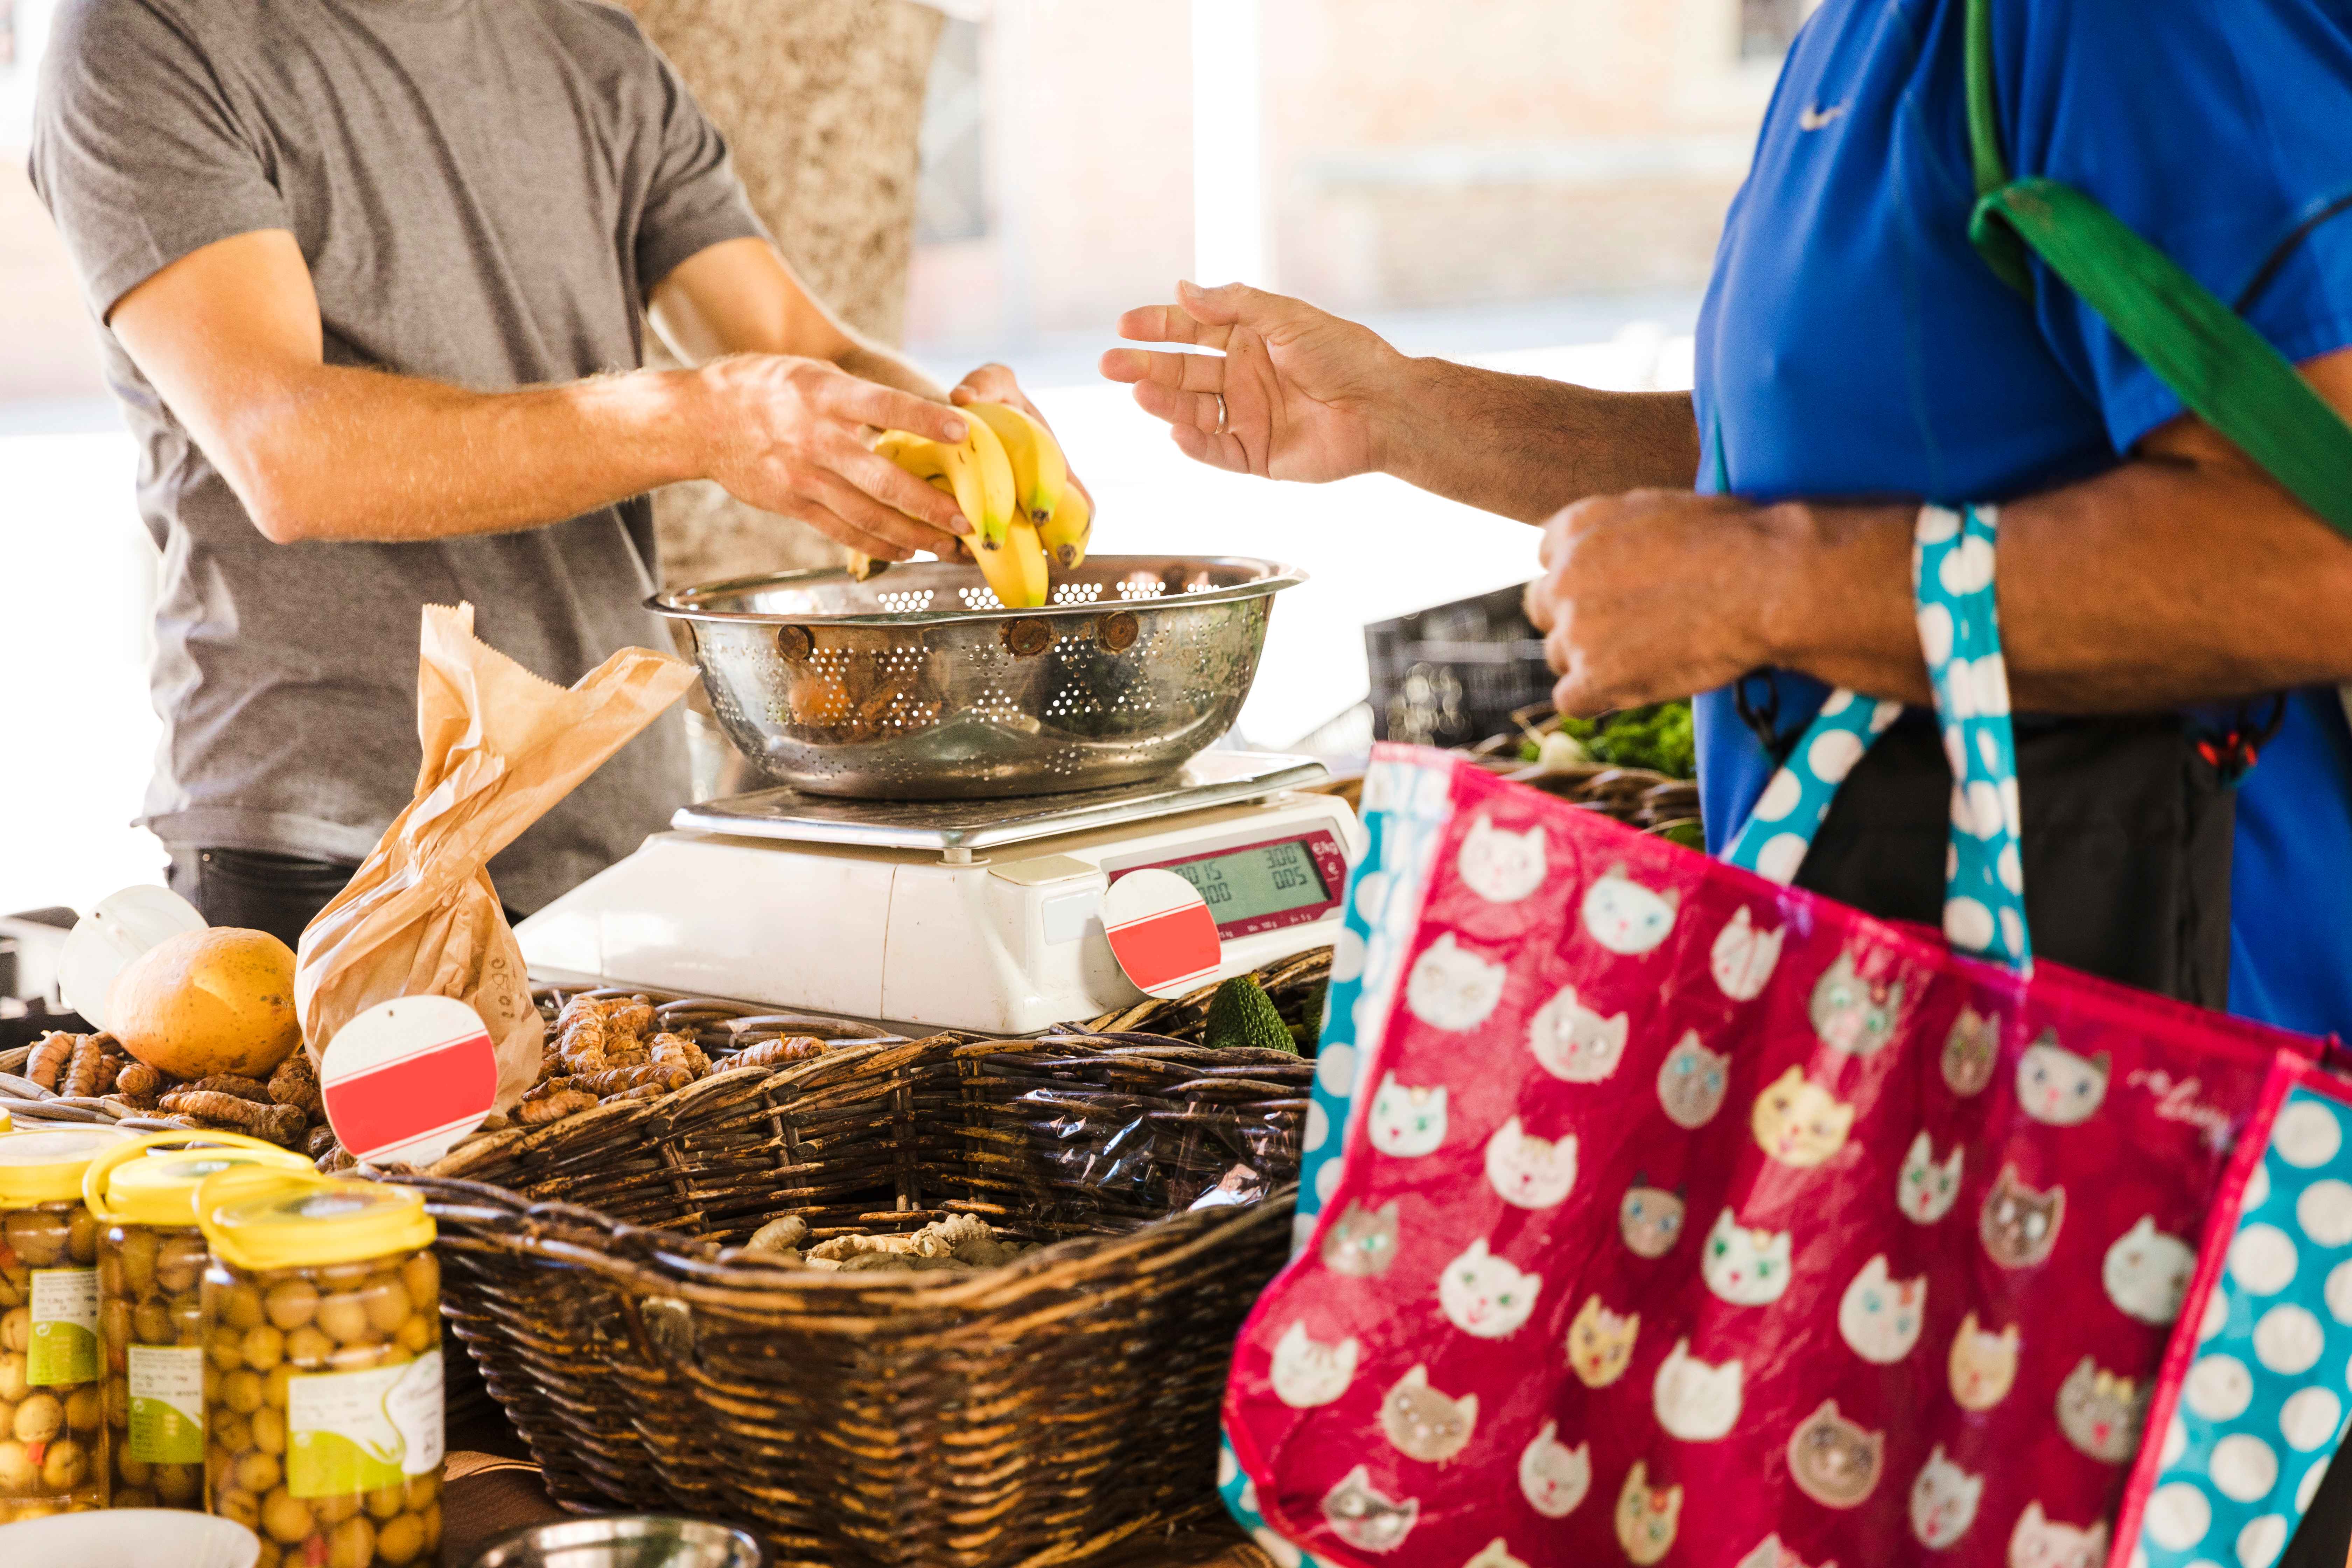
(1294, 393)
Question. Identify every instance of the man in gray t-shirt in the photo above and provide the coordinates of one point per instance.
(368, 276)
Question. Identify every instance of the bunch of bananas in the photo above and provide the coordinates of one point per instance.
(1008, 475)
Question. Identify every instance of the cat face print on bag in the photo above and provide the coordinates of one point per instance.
(1923, 1190)
(1407, 1122)
(2017, 1224)
(1529, 1171)
(1308, 1372)
(1423, 1424)
(1692, 1081)
(1362, 1243)
(1451, 987)
(1983, 1364)
(2041, 1542)
(1574, 1043)
(1499, 865)
(1743, 957)
(1650, 1219)
(2102, 1414)
(2146, 1273)
(1495, 1553)
(1746, 1268)
(1553, 1477)
(1970, 1051)
(1695, 1402)
(1880, 1319)
(1366, 1519)
(1769, 1554)
(2057, 1087)
(1600, 1343)
(1647, 1517)
(1943, 1502)
(1625, 917)
(1832, 1460)
(1484, 1295)
(1853, 1015)
(1800, 1123)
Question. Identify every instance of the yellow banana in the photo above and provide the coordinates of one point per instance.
(862, 566)
(1016, 568)
(1038, 471)
(976, 470)
(1065, 534)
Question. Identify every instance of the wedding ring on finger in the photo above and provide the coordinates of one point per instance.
(1222, 420)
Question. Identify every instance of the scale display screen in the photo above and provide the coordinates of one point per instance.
(1258, 887)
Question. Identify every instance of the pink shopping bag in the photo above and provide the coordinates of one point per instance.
(1680, 1217)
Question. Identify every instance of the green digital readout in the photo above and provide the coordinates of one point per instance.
(1249, 884)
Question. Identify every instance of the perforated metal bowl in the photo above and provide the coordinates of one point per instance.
(917, 684)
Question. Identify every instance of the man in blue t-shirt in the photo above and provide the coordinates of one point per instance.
(1857, 356)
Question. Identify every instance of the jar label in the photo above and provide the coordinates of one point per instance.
(64, 1346)
(361, 1431)
(167, 1404)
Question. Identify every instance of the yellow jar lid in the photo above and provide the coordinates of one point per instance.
(154, 1180)
(46, 1167)
(260, 1218)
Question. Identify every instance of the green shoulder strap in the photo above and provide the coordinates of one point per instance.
(2222, 370)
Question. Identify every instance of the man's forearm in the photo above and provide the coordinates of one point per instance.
(355, 455)
(1524, 447)
(2151, 587)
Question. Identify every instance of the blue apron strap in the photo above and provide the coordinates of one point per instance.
(1960, 634)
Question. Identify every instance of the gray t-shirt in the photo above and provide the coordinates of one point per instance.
(484, 191)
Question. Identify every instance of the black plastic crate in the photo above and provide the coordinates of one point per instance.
(1456, 674)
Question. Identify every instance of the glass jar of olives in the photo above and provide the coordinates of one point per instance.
(150, 1264)
(52, 1431)
(322, 1335)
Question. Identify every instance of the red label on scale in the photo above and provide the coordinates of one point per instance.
(406, 1078)
(1161, 932)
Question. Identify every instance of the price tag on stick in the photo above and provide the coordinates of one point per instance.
(1161, 932)
(407, 1078)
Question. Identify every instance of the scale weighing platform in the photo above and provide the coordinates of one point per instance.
(981, 914)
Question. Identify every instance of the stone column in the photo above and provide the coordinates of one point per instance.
(821, 101)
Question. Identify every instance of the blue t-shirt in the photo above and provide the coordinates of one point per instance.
(1854, 346)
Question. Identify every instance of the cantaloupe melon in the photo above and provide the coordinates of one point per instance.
(212, 1001)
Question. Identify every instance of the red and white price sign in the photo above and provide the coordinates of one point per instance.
(1161, 932)
(407, 1078)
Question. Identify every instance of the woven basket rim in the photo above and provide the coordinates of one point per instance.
(664, 1261)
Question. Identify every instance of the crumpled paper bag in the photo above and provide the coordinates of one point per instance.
(419, 916)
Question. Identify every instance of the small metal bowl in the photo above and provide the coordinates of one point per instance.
(917, 685)
(626, 1541)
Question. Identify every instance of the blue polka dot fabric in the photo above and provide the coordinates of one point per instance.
(2253, 1409)
(1959, 636)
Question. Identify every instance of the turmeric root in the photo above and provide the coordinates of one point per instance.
(680, 1053)
(321, 1139)
(776, 1053)
(296, 1083)
(626, 1079)
(50, 1057)
(248, 1089)
(279, 1124)
(138, 1082)
(554, 1107)
(80, 1078)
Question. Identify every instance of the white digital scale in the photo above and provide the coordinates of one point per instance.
(982, 915)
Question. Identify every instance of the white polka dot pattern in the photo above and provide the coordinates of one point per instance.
(2263, 1407)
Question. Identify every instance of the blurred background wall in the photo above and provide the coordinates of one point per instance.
(1536, 184)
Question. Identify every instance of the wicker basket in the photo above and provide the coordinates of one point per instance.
(1034, 1413)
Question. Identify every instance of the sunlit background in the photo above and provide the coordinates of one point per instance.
(1536, 184)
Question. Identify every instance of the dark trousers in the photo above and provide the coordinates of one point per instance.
(275, 893)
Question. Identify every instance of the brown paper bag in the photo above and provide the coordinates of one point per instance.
(419, 915)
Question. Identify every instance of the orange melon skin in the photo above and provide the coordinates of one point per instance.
(213, 1000)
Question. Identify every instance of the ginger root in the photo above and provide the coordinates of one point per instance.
(776, 1053)
(49, 1056)
(321, 1139)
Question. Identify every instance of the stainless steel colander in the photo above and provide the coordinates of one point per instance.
(917, 684)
